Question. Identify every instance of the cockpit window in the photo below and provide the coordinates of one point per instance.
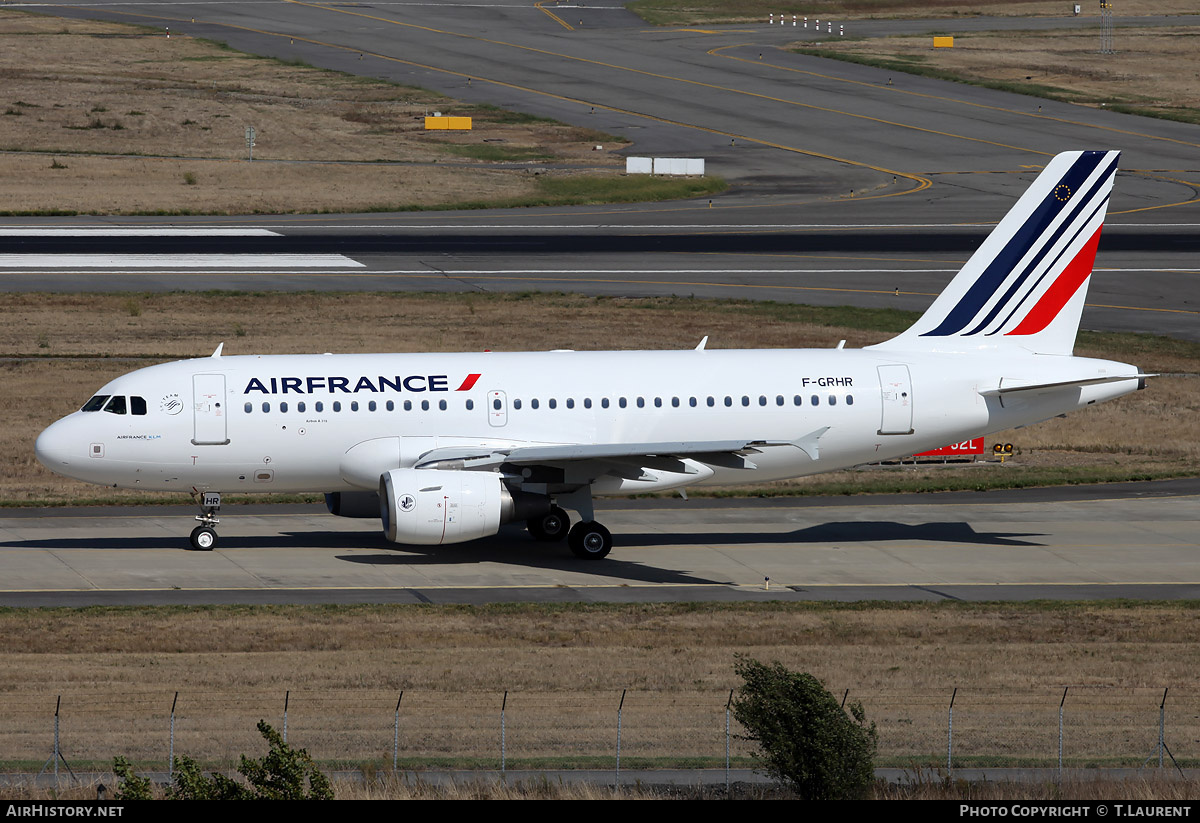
(116, 405)
(96, 403)
(137, 405)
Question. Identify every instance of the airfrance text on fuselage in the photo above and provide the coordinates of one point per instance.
(353, 385)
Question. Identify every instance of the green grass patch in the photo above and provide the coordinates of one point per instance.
(582, 190)
(495, 153)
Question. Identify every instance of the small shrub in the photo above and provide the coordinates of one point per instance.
(189, 178)
(283, 774)
(807, 740)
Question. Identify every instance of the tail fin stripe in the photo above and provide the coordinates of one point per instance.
(1002, 265)
(1061, 290)
(1086, 225)
(1039, 261)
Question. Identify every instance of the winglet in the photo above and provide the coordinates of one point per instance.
(703, 343)
(217, 353)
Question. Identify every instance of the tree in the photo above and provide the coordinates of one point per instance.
(807, 740)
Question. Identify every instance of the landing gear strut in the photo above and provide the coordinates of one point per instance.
(204, 536)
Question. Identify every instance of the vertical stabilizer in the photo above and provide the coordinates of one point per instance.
(1026, 285)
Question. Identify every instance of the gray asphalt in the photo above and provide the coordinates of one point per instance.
(1136, 541)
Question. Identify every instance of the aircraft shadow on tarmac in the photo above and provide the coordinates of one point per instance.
(853, 531)
(512, 547)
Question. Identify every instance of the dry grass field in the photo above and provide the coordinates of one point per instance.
(565, 669)
(1154, 70)
(682, 12)
(100, 118)
(56, 350)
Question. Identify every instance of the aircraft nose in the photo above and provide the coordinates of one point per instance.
(53, 447)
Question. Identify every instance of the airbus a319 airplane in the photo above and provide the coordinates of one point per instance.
(446, 448)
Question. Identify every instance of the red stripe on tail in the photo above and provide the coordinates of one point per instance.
(1052, 302)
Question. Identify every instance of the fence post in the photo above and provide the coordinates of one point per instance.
(620, 708)
(396, 733)
(950, 734)
(1060, 732)
(287, 696)
(1162, 714)
(728, 704)
(503, 706)
(171, 751)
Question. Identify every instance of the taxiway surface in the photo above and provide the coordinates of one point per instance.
(1119, 541)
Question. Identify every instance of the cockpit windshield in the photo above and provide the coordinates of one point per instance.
(116, 404)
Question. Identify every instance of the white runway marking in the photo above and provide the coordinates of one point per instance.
(168, 262)
(132, 231)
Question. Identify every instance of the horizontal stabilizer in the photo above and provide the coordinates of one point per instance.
(1035, 387)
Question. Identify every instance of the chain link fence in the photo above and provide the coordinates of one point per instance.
(1071, 727)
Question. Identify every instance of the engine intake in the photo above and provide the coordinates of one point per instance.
(430, 507)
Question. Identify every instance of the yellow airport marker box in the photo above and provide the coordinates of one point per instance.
(448, 123)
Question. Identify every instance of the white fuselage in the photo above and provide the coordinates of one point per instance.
(327, 423)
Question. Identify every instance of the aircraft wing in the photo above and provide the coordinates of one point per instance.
(722, 453)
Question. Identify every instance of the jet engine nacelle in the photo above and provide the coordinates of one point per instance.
(429, 507)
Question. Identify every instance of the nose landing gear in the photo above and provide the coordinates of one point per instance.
(204, 536)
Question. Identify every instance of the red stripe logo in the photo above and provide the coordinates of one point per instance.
(469, 383)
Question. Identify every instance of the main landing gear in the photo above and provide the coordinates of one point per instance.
(549, 527)
(204, 536)
(587, 540)
(590, 540)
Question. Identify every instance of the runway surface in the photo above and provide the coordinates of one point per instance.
(795, 135)
(1135, 541)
